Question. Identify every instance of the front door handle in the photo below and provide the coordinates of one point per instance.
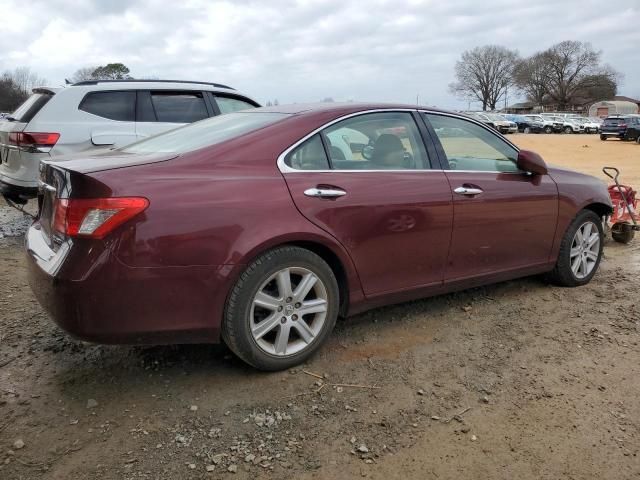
(324, 192)
(468, 191)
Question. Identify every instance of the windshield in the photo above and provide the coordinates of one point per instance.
(205, 132)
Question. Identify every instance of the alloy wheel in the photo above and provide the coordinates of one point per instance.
(288, 311)
(585, 250)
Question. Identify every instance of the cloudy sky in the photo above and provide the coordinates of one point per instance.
(299, 51)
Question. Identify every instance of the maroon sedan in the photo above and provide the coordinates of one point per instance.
(261, 227)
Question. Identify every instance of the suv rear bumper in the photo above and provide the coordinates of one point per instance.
(16, 193)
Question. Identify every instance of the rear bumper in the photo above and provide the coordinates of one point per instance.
(17, 193)
(93, 296)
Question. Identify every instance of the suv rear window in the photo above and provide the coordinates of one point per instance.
(31, 106)
(179, 107)
(112, 105)
(615, 121)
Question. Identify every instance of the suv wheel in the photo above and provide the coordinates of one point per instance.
(548, 129)
(568, 130)
(580, 251)
(603, 137)
(282, 309)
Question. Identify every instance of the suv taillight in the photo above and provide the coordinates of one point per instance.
(33, 141)
(94, 217)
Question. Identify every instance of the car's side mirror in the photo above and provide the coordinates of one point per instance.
(531, 162)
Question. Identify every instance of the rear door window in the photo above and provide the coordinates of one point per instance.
(179, 107)
(119, 106)
(31, 106)
(230, 104)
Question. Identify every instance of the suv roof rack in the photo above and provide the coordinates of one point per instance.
(95, 82)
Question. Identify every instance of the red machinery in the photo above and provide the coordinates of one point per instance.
(624, 221)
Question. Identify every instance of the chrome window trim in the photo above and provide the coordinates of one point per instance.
(284, 168)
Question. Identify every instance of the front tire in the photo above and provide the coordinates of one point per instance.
(568, 130)
(282, 309)
(548, 130)
(603, 137)
(527, 130)
(580, 251)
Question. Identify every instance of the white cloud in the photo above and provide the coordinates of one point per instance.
(307, 50)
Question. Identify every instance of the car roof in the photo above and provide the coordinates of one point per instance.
(339, 108)
(196, 84)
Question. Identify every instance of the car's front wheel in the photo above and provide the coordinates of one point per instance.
(282, 308)
(568, 130)
(580, 251)
(548, 130)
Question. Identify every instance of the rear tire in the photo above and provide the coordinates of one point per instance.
(568, 130)
(577, 262)
(265, 323)
(603, 137)
(527, 130)
(548, 130)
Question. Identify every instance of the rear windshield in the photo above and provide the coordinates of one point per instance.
(614, 121)
(30, 107)
(205, 133)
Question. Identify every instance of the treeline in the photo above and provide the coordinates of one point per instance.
(568, 73)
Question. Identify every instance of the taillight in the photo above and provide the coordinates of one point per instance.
(94, 217)
(623, 125)
(33, 140)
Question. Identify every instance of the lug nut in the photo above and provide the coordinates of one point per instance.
(294, 317)
(298, 304)
(283, 320)
(289, 299)
(280, 308)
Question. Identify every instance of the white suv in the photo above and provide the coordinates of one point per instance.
(99, 115)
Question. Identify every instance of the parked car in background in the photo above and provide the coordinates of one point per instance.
(526, 124)
(481, 117)
(102, 114)
(569, 125)
(548, 125)
(502, 123)
(617, 126)
(633, 130)
(591, 125)
(251, 227)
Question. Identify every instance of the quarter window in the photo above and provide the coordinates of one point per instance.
(229, 104)
(112, 105)
(469, 146)
(310, 155)
(179, 107)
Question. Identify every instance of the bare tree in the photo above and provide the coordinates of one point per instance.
(531, 76)
(25, 79)
(484, 74)
(573, 68)
(83, 74)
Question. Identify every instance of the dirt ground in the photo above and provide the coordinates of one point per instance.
(515, 380)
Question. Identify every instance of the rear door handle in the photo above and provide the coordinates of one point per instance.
(468, 191)
(324, 192)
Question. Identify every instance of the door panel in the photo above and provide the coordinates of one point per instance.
(504, 218)
(510, 225)
(396, 225)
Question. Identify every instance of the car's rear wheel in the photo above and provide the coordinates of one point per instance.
(548, 130)
(568, 130)
(282, 308)
(580, 251)
(603, 137)
(527, 130)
